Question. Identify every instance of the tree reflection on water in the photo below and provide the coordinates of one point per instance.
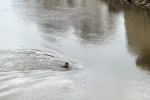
(92, 20)
(138, 36)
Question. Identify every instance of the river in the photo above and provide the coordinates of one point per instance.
(108, 49)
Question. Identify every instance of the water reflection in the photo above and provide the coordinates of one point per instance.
(70, 24)
(71, 3)
(91, 20)
(114, 5)
(138, 35)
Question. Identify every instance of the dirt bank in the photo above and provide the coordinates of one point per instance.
(138, 3)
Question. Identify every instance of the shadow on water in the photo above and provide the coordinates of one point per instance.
(137, 22)
(138, 35)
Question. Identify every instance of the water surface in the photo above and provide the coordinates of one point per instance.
(107, 47)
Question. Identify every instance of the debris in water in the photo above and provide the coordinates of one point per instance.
(66, 65)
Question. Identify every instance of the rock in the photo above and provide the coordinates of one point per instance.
(139, 3)
(147, 5)
(143, 2)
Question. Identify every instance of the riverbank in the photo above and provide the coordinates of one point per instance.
(138, 3)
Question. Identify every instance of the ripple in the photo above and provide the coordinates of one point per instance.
(31, 59)
(25, 70)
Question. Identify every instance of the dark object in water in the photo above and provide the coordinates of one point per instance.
(66, 65)
(128, 1)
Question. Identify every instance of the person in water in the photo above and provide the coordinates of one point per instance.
(66, 65)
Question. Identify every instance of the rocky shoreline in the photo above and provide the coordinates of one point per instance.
(138, 3)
